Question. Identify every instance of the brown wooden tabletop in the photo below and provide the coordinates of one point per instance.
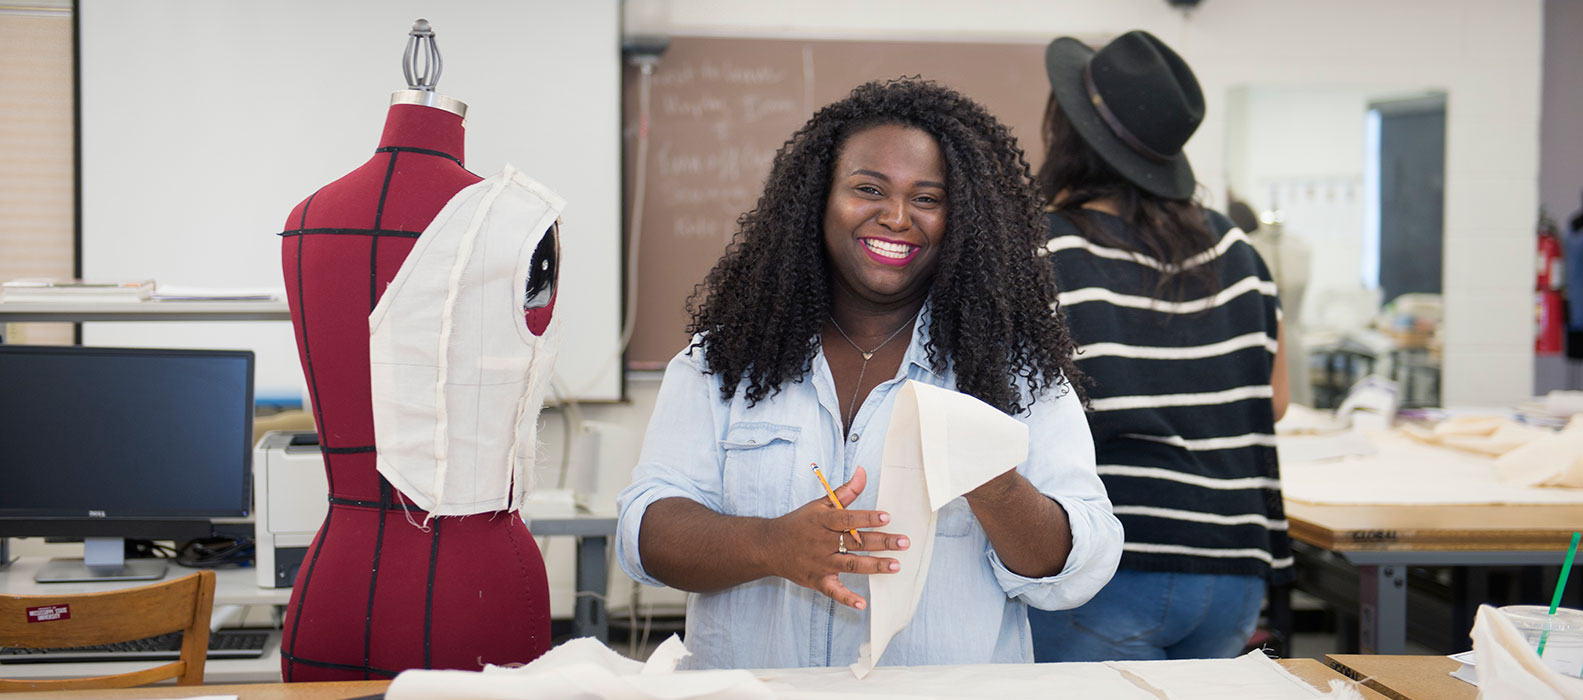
(1317, 674)
(1405, 677)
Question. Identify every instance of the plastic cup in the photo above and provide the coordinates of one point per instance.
(1563, 646)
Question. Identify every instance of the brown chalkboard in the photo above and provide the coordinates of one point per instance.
(719, 108)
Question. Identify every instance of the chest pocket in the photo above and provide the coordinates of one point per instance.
(955, 519)
(760, 461)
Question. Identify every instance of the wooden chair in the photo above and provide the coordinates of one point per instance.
(85, 619)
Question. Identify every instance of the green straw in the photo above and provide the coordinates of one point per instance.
(1555, 600)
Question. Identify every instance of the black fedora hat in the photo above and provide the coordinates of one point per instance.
(1135, 102)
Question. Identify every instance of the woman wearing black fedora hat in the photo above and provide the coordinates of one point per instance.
(1178, 328)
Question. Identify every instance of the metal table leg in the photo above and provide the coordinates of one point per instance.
(588, 617)
(1382, 609)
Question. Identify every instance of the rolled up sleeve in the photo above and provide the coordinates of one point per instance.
(1061, 466)
(680, 458)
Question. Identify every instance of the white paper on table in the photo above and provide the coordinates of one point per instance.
(1248, 676)
(1405, 471)
(1252, 675)
(940, 445)
(1294, 449)
(956, 682)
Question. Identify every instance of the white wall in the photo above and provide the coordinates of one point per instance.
(1484, 53)
(1302, 150)
(204, 123)
(1296, 132)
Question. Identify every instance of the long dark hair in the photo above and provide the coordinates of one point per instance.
(1168, 230)
(760, 311)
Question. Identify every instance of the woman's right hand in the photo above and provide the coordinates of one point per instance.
(805, 544)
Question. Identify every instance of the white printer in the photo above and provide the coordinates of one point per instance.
(290, 500)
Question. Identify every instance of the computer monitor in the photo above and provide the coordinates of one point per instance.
(114, 443)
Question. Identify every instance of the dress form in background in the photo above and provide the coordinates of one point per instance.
(378, 592)
(1288, 259)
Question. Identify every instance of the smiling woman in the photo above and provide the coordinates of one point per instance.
(979, 277)
(886, 207)
(905, 207)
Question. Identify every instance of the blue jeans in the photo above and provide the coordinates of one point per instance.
(1153, 615)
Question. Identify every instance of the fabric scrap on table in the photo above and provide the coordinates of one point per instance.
(583, 669)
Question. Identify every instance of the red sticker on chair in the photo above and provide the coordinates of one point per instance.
(48, 613)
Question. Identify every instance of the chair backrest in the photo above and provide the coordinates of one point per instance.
(86, 619)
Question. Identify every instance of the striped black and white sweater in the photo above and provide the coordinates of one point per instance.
(1182, 418)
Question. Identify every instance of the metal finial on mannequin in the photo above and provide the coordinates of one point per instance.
(422, 48)
(421, 64)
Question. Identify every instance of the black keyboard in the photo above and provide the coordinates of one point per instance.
(224, 644)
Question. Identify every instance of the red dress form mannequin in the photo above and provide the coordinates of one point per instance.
(376, 594)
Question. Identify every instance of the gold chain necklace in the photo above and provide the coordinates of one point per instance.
(867, 355)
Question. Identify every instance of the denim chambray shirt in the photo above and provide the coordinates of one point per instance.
(754, 462)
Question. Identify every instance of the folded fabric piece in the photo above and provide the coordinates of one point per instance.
(1482, 426)
(1563, 402)
(1510, 668)
(1491, 436)
(1552, 460)
(940, 445)
(583, 669)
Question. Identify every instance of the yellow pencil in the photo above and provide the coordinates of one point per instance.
(834, 500)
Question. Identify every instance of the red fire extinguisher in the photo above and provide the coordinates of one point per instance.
(1549, 326)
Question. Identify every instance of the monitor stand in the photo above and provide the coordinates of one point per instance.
(104, 560)
(5, 553)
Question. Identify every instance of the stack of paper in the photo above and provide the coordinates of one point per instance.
(184, 293)
(41, 289)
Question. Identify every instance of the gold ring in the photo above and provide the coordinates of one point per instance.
(840, 547)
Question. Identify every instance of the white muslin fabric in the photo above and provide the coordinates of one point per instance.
(940, 445)
(583, 669)
(1553, 460)
(1509, 668)
(461, 348)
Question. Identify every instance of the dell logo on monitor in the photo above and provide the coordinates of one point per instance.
(95, 513)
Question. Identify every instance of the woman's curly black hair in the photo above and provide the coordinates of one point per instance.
(759, 313)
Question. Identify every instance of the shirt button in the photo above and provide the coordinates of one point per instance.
(854, 437)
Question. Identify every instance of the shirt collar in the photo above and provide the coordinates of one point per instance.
(916, 354)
